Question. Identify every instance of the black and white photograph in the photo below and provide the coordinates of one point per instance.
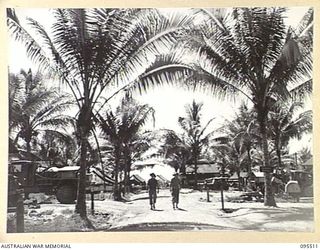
(160, 120)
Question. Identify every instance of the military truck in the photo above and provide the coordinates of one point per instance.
(34, 177)
(305, 181)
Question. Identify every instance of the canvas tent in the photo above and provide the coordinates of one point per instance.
(137, 181)
(163, 182)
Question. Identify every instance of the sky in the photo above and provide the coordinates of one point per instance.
(168, 102)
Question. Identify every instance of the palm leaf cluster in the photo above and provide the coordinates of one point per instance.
(34, 108)
(122, 129)
(192, 144)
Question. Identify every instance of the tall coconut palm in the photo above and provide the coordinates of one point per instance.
(122, 129)
(34, 108)
(175, 150)
(133, 117)
(248, 51)
(243, 133)
(134, 151)
(195, 135)
(93, 49)
(286, 124)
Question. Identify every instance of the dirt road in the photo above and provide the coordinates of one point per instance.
(195, 213)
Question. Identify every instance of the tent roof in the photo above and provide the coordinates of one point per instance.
(162, 178)
(205, 168)
(66, 168)
(308, 162)
(258, 174)
(242, 174)
(137, 178)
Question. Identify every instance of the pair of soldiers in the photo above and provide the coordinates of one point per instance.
(153, 188)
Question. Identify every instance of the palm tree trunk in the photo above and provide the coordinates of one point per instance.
(81, 196)
(28, 145)
(239, 179)
(278, 151)
(195, 172)
(249, 169)
(28, 142)
(127, 172)
(116, 191)
(127, 177)
(268, 194)
(83, 127)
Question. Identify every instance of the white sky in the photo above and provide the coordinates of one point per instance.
(168, 102)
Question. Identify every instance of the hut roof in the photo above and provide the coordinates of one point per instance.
(204, 168)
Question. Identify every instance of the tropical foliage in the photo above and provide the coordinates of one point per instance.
(251, 51)
(122, 129)
(285, 124)
(99, 53)
(35, 110)
(93, 50)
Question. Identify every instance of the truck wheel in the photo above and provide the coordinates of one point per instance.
(66, 194)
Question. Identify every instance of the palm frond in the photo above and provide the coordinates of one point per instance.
(33, 49)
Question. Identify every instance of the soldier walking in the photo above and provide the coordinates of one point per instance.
(175, 189)
(152, 187)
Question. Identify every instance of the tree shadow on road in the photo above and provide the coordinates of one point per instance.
(181, 209)
(147, 198)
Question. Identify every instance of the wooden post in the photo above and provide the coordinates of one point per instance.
(221, 185)
(20, 214)
(222, 201)
(92, 203)
(208, 196)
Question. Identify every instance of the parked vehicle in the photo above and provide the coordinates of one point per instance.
(305, 181)
(215, 183)
(62, 182)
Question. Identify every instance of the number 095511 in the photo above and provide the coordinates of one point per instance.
(308, 246)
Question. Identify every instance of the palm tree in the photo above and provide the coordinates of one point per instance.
(195, 136)
(231, 154)
(35, 109)
(285, 124)
(248, 51)
(122, 129)
(243, 135)
(58, 148)
(175, 150)
(93, 50)
(135, 150)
